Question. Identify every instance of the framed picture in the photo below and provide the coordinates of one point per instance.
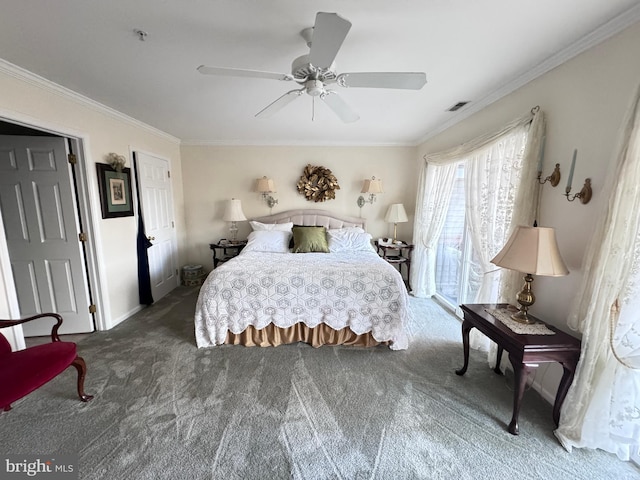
(115, 191)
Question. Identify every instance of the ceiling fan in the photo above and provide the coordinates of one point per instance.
(316, 71)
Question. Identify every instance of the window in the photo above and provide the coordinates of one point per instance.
(458, 272)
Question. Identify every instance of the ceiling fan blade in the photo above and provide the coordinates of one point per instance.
(329, 32)
(237, 72)
(404, 80)
(339, 107)
(280, 103)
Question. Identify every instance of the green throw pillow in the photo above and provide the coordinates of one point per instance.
(310, 239)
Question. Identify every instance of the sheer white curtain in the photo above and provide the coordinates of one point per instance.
(493, 179)
(602, 408)
(501, 191)
(434, 193)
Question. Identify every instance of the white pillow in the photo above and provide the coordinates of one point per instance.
(339, 231)
(282, 227)
(348, 240)
(273, 241)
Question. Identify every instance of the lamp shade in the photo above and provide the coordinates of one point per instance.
(233, 211)
(372, 185)
(265, 185)
(532, 250)
(396, 214)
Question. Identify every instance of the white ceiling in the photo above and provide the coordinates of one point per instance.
(470, 50)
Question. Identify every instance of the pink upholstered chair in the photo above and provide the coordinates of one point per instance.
(24, 371)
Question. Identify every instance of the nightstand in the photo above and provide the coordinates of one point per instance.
(227, 250)
(397, 254)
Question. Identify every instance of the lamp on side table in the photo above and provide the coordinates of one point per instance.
(532, 251)
(396, 214)
(233, 213)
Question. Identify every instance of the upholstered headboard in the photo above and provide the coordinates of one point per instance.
(321, 218)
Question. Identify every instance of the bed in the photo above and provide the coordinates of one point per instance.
(268, 295)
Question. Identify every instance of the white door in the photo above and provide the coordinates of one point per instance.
(38, 204)
(156, 195)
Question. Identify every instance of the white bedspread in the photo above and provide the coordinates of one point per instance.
(358, 290)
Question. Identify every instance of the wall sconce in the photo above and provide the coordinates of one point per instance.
(116, 161)
(265, 186)
(372, 187)
(585, 194)
(233, 213)
(554, 178)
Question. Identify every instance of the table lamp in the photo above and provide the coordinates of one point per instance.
(233, 213)
(532, 251)
(396, 214)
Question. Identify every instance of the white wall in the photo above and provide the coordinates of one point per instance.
(213, 175)
(585, 101)
(31, 99)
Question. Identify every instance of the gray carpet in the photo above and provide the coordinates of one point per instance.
(166, 410)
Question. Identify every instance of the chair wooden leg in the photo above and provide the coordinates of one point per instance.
(82, 370)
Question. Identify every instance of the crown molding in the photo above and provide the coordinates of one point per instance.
(597, 36)
(289, 143)
(55, 89)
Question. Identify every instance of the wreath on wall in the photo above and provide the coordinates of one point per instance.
(318, 184)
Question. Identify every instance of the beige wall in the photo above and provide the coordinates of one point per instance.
(31, 100)
(213, 175)
(585, 101)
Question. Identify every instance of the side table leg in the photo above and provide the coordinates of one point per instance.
(521, 372)
(498, 360)
(563, 388)
(466, 328)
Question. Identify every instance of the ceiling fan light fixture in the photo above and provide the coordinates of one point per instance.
(315, 88)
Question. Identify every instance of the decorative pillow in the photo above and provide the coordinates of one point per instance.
(272, 241)
(349, 240)
(310, 239)
(281, 227)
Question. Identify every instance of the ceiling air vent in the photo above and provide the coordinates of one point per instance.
(457, 107)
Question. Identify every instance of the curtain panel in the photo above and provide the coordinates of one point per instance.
(602, 407)
(500, 173)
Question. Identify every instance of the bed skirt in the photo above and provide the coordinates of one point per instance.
(272, 336)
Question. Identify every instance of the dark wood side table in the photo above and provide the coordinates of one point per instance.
(227, 250)
(397, 254)
(525, 353)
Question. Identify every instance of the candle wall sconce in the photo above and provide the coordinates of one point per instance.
(584, 195)
(553, 179)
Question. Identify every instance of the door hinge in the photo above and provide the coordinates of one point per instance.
(173, 225)
(168, 173)
(82, 237)
(92, 309)
(176, 271)
(72, 159)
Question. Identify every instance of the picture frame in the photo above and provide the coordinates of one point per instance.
(115, 191)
